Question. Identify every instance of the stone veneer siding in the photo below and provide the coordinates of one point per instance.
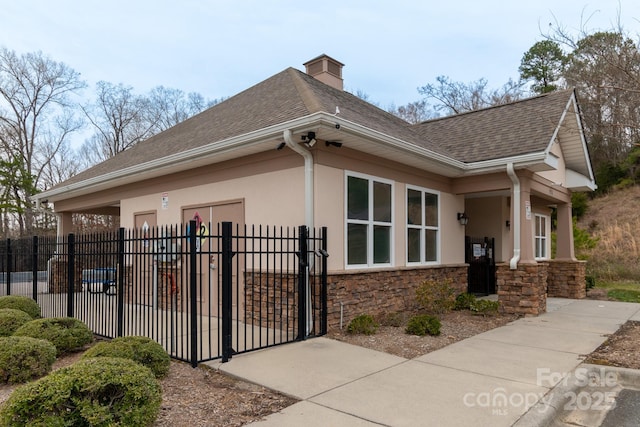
(382, 292)
(524, 290)
(567, 279)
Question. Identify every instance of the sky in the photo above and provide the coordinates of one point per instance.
(219, 48)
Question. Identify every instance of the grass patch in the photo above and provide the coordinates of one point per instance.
(622, 290)
(624, 295)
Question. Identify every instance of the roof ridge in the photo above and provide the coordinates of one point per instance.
(304, 90)
(492, 107)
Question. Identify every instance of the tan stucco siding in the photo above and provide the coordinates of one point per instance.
(272, 198)
(330, 178)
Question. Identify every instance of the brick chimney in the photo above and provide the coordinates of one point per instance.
(327, 70)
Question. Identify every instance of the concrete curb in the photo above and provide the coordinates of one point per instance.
(552, 406)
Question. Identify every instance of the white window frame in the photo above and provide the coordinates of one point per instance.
(422, 227)
(370, 223)
(542, 241)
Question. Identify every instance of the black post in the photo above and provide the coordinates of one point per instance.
(227, 292)
(120, 284)
(71, 272)
(323, 283)
(302, 282)
(9, 266)
(34, 268)
(193, 288)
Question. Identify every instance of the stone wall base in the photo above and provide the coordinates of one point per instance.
(567, 279)
(381, 292)
(524, 290)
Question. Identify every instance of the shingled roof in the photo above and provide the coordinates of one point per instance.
(285, 96)
(508, 130)
(264, 110)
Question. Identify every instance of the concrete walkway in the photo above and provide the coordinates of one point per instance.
(491, 379)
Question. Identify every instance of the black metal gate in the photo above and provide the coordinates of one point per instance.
(479, 254)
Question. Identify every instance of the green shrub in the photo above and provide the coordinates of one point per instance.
(363, 324)
(590, 282)
(18, 302)
(423, 324)
(143, 350)
(11, 319)
(436, 297)
(24, 358)
(100, 391)
(464, 301)
(484, 307)
(65, 333)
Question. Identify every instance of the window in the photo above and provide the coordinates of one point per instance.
(423, 230)
(541, 239)
(369, 221)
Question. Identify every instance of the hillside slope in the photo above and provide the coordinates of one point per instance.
(614, 219)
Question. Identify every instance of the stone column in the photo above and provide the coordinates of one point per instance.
(523, 290)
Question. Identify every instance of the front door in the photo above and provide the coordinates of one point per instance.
(479, 254)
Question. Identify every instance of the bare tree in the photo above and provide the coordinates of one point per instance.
(118, 117)
(457, 97)
(37, 115)
(166, 107)
(414, 112)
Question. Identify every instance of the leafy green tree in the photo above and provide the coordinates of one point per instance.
(543, 64)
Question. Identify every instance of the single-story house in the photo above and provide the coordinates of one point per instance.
(400, 201)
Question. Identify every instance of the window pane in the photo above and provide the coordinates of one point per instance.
(381, 244)
(381, 202)
(414, 207)
(413, 245)
(357, 198)
(356, 244)
(431, 210)
(430, 245)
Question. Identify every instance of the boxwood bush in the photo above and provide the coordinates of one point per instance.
(11, 319)
(139, 349)
(363, 324)
(18, 302)
(100, 391)
(24, 358)
(65, 333)
(423, 324)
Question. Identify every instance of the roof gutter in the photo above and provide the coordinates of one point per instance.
(513, 263)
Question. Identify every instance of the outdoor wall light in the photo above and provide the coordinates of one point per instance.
(508, 223)
(309, 139)
(463, 218)
(333, 144)
(281, 145)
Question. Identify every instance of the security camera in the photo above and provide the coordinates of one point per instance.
(337, 125)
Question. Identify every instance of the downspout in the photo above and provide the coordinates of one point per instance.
(513, 263)
(308, 177)
(308, 211)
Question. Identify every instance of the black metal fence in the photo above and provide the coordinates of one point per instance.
(203, 294)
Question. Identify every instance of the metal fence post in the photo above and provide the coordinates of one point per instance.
(120, 283)
(193, 288)
(302, 282)
(9, 262)
(71, 273)
(323, 283)
(227, 292)
(34, 268)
